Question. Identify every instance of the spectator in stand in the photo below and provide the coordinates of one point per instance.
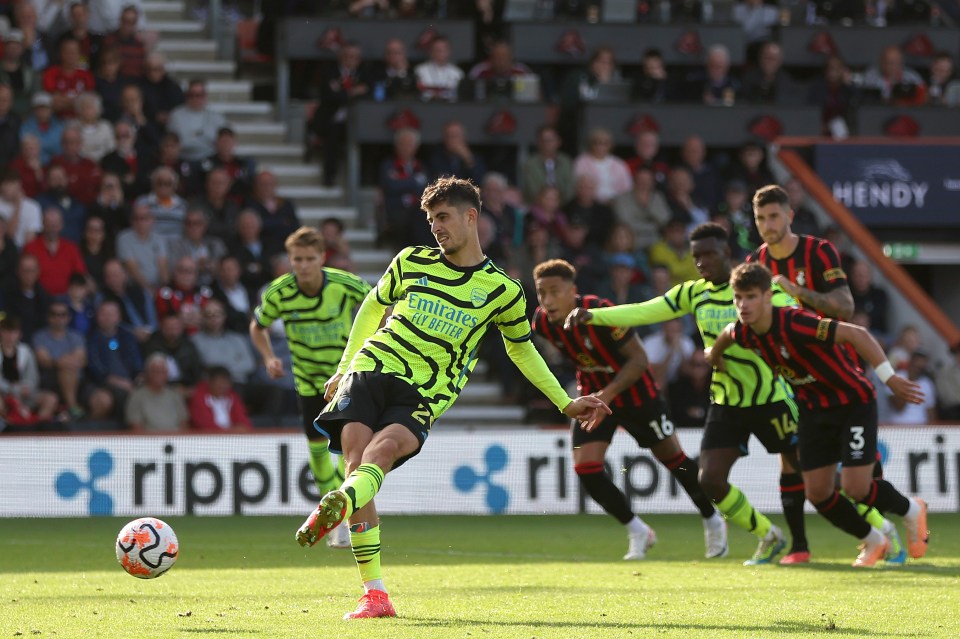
(57, 257)
(22, 78)
(78, 28)
(907, 343)
(58, 197)
(735, 214)
(610, 173)
(221, 210)
(28, 166)
(646, 147)
(247, 247)
(230, 292)
(439, 79)
(714, 85)
(167, 207)
(105, 15)
(277, 214)
(689, 395)
(756, 18)
(455, 157)
(622, 241)
(582, 85)
(98, 138)
(183, 360)
(493, 78)
(170, 157)
(585, 257)
(538, 246)
(549, 166)
(942, 76)
(111, 207)
(161, 93)
(196, 124)
(680, 198)
(546, 210)
(506, 220)
(336, 251)
(95, 250)
(644, 209)
(61, 357)
(148, 132)
(948, 386)
(904, 413)
(155, 407)
(751, 167)
(341, 84)
(706, 179)
(133, 51)
(143, 251)
(219, 346)
(205, 250)
(9, 127)
(9, 253)
(21, 213)
(767, 82)
(622, 285)
(667, 349)
(804, 219)
(126, 163)
(25, 298)
(402, 180)
(113, 362)
(215, 406)
(110, 84)
(22, 402)
(652, 85)
(83, 175)
(45, 126)
(673, 252)
(35, 45)
(240, 169)
(397, 80)
(895, 83)
(66, 80)
(80, 302)
(584, 205)
(184, 297)
(869, 299)
(138, 312)
(834, 92)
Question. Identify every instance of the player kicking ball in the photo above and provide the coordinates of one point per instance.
(394, 381)
(838, 407)
(612, 365)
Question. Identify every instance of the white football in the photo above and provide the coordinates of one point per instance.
(147, 547)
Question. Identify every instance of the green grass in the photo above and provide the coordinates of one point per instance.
(467, 577)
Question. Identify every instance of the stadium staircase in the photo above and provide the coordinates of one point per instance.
(190, 54)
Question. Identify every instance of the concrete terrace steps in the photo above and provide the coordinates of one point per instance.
(166, 10)
(206, 69)
(262, 132)
(180, 50)
(176, 28)
(248, 112)
(232, 91)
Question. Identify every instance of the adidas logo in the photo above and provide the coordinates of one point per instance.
(423, 281)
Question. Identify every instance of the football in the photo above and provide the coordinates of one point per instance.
(147, 547)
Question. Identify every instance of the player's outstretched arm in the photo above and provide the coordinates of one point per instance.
(836, 303)
(590, 411)
(869, 349)
(654, 311)
(577, 316)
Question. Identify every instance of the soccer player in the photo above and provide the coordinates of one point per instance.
(809, 269)
(746, 398)
(612, 365)
(838, 407)
(393, 382)
(316, 304)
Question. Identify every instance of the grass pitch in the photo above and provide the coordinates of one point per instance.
(467, 577)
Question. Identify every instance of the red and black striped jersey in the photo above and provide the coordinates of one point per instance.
(814, 264)
(802, 347)
(596, 352)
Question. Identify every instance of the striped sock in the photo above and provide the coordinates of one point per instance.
(324, 472)
(792, 499)
(686, 471)
(737, 509)
(362, 486)
(366, 550)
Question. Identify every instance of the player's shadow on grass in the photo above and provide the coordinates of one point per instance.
(778, 627)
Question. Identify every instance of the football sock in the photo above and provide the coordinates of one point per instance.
(878, 469)
(361, 486)
(792, 498)
(873, 516)
(324, 472)
(685, 470)
(840, 512)
(603, 491)
(737, 509)
(366, 550)
(886, 498)
(636, 526)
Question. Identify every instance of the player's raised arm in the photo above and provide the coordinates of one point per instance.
(869, 349)
(834, 303)
(653, 311)
(724, 341)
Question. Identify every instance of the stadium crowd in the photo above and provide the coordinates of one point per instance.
(135, 242)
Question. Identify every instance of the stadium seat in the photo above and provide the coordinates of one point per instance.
(246, 34)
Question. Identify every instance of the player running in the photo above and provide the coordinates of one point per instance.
(612, 365)
(838, 407)
(393, 382)
(746, 398)
(316, 304)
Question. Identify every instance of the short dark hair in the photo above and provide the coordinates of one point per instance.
(77, 279)
(770, 194)
(451, 190)
(707, 230)
(750, 275)
(218, 371)
(555, 268)
(334, 221)
(9, 323)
